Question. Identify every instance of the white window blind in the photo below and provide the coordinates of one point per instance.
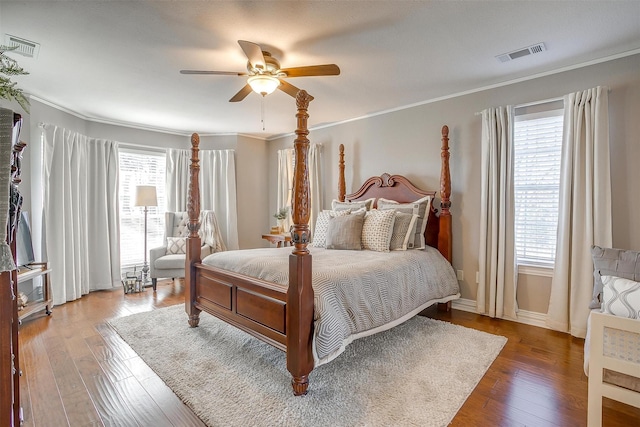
(139, 167)
(537, 151)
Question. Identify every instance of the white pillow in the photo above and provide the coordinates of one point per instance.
(621, 297)
(377, 230)
(421, 207)
(337, 205)
(404, 228)
(322, 225)
(176, 245)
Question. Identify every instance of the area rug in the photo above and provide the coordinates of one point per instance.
(416, 374)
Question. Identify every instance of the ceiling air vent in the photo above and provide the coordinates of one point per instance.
(530, 50)
(24, 47)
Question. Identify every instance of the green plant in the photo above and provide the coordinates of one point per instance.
(8, 89)
(282, 213)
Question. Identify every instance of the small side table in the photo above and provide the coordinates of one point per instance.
(278, 239)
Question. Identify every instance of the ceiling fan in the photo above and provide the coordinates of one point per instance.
(265, 74)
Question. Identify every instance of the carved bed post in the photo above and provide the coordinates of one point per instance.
(445, 235)
(299, 322)
(342, 187)
(193, 240)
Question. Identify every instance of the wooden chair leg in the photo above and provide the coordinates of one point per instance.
(154, 283)
(444, 306)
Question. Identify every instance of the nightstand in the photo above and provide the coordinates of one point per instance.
(278, 239)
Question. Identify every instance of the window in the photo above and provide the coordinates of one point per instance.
(537, 151)
(139, 167)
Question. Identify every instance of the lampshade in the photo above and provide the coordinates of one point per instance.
(263, 84)
(146, 195)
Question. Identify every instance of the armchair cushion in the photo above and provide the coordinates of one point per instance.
(176, 245)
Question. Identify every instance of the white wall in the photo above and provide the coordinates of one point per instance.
(407, 142)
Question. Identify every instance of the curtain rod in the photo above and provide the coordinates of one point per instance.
(544, 101)
(529, 104)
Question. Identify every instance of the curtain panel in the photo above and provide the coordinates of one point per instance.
(496, 295)
(80, 213)
(285, 183)
(584, 216)
(217, 187)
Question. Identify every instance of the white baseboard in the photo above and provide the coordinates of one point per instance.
(526, 317)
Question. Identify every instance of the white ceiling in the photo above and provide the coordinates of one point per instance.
(119, 61)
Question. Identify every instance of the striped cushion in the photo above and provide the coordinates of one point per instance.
(421, 208)
(403, 229)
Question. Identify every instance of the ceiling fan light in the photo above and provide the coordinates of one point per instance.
(263, 84)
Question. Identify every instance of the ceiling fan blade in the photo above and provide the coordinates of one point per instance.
(242, 94)
(288, 88)
(254, 53)
(222, 73)
(313, 70)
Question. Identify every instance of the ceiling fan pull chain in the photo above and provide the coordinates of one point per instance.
(262, 112)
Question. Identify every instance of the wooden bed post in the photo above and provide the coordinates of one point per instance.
(342, 187)
(299, 322)
(445, 235)
(193, 240)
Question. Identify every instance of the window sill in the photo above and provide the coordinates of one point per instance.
(535, 270)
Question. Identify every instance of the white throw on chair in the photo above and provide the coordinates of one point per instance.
(169, 260)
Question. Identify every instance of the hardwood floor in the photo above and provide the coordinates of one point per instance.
(78, 372)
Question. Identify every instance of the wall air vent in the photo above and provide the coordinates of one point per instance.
(24, 47)
(530, 50)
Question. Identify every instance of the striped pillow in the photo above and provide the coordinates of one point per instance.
(404, 228)
(421, 208)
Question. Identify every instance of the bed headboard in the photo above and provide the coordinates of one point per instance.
(399, 188)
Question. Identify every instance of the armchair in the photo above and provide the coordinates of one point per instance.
(169, 260)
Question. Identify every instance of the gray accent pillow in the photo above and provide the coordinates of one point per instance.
(345, 232)
(404, 229)
(337, 205)
(612, 262)
(421, 208)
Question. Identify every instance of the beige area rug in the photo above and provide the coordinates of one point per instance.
(416, 374)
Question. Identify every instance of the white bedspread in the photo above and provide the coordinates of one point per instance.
(356, 293)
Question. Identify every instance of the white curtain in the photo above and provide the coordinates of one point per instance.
(584, 216)
(497, 285)
(285, 182)
(177, 179)
(217, 187)
(81, 213)
(315, 182)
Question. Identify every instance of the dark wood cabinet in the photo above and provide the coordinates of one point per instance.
(10, 409)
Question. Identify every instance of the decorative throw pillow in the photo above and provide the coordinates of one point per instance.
(612, 262)
(337, 205)
(322, 224)
(420, 207)
(345, 232)
(176, 245)
(377, 230)
(621, 297)
(403, 229)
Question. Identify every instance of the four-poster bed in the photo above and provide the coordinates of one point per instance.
(281, 312)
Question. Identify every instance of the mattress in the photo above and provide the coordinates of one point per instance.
(356, 293)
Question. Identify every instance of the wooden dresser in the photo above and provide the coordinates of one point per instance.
(10, 409)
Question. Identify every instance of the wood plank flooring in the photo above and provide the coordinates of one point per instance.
(78, 372)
